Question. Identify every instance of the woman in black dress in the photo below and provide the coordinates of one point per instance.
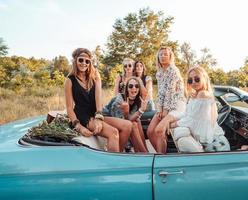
(83, 94)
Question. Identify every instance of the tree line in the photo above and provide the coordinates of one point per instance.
(138, 36)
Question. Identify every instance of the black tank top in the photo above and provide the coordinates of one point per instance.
(85, 102)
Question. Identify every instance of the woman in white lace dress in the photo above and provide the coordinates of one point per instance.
(171, 102)
(199, 128)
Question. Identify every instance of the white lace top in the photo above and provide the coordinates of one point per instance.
(170, 88)
(200, 117)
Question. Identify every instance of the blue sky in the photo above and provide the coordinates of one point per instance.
(48, 28)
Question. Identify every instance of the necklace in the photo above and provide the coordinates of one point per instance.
(82, 82)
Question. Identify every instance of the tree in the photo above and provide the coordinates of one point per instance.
(233, 78)
(61, 64)
(3, 48)
(104, 70)
(207, 61)
(243, 78)
(7, 68)
(138, 36)
(218, 76)
(188, 56)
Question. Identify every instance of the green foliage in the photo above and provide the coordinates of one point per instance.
(61, 64)
(58, 130)
(218, 76)
(58, 78)
(113, 74)
(138, 36)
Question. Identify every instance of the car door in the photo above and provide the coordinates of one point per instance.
(201, 176)
(74, 173)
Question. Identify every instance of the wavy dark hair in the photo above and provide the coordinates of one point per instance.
(135, 66)
(137, 100)
(91, 71)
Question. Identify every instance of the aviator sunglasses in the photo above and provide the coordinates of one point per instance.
(130, 86)
(81, 60)
(127, 65)
(195, 79)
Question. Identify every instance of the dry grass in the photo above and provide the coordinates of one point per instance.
(14, 107)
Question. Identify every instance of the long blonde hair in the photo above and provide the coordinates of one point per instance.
(172, 58)
(203, 77)
(90, 72)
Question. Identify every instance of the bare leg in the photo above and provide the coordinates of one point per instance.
(124, 127)
(142, 135)
(161, 140)
(162, 135)
(151, 131)
(110, 133)
(136, 139)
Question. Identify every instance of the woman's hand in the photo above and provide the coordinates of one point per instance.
(173, 125)
(84, 131)
(167, 127)
(97, 126)
(125, 107)
(159, 115)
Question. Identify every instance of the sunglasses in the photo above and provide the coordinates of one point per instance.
(195, 79)
(83, 60)
(130, 86)
(127, 65)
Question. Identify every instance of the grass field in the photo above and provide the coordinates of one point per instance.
(14, 106)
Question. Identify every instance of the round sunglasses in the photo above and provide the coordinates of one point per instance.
(130, 86)
(195, 79)
(127, 65)
(84, 60)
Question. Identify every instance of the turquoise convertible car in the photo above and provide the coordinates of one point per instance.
(42, 168)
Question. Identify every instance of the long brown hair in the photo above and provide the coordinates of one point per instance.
(137, 100)
(144, 68)
(90, 72)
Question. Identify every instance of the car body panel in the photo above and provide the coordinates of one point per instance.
(201, 176)
(69, 172)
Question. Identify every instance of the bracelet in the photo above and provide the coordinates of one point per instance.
(98, 112)
(77, 128)
(75, 122)
(141, 111)
(99, 116)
